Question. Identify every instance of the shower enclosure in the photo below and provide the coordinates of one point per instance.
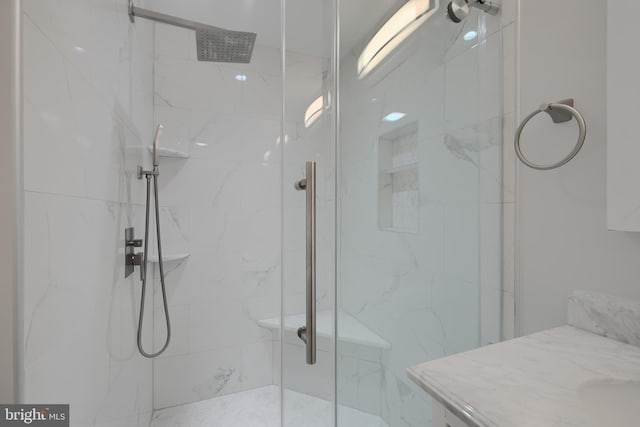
(382, 189)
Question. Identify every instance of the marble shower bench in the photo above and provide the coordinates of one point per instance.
(361, 354)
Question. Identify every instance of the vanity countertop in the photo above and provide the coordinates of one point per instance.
(555, 378)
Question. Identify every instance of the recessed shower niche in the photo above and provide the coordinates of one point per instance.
(398, 179)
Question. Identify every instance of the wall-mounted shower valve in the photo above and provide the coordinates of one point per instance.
(131, 258)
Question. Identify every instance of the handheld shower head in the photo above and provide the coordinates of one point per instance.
(156, 146)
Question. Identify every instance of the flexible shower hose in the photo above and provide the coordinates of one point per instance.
(144, 268)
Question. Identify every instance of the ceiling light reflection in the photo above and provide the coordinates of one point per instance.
(470, 35)
(393, 117)
(314, 111)
(400, 26)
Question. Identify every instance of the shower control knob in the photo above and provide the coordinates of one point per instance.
(135, 243)
(131, 258)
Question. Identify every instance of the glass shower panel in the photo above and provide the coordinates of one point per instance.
(308, 136)
(420, 214)
(222, 195)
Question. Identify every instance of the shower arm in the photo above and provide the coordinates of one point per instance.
(151, 15)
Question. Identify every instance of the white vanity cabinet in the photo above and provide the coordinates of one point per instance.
(623, 111)
(442, 417)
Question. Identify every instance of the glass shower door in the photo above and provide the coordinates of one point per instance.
(308, 228)
(419, 192)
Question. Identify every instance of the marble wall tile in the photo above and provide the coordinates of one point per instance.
(315, 380)
(88, 107)
(179, 316)
(489, 74)
(229, 193)
(197, 376)
(224, 324)
(93, 364)
(219, 91)
(174, 42)
(347, 376)
(462, 242)
(605, 315)
(369, 386)
(257, 364)
(461, 90)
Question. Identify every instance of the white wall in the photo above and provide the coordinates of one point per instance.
(623, 150)
(8, 205)
(562, 237)
(88, 98)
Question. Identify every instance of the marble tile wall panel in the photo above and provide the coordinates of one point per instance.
(605, 315)
(87, 114)
(226, 202)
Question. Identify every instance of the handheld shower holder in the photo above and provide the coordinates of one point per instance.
(144, 173)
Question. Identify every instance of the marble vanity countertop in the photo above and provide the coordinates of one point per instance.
(540, 380)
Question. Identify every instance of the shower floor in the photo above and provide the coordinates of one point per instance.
(261, 408)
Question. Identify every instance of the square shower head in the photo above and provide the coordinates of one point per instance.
(219, 45)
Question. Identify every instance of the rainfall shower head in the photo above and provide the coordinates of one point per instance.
(218, 45)
(213, 44)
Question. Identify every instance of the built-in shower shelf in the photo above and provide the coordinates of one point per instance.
(350, 329)
(178, 256)
(170, 152)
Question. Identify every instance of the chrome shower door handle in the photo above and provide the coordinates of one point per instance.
(308, 333)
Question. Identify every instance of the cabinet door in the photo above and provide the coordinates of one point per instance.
(623, 110)
(442, 417)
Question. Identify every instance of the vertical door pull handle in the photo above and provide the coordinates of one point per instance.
(307, 333)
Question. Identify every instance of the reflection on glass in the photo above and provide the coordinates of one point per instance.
(400, 26)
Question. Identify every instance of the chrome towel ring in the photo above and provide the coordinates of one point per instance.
(560, 112)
